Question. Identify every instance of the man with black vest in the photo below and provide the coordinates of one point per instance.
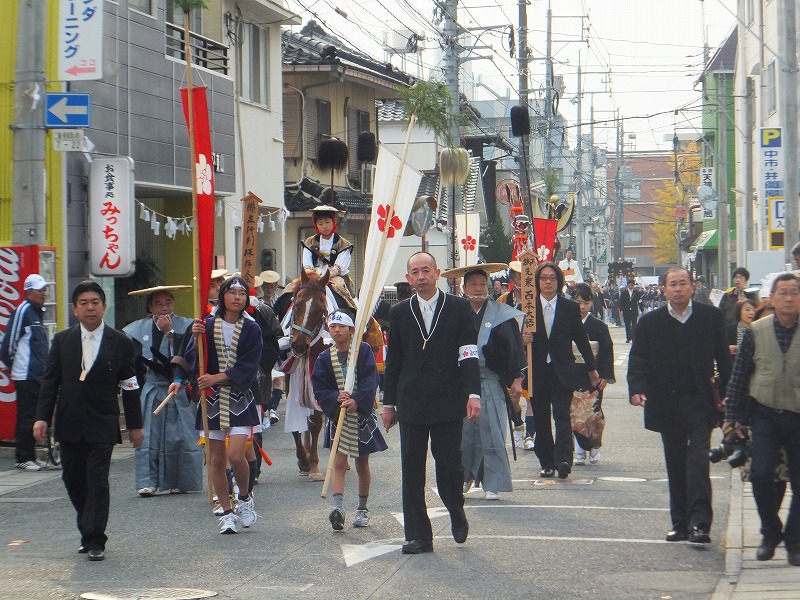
(670, 370)
(765, 393)
(432, 381)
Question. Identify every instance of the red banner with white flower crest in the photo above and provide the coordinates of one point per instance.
(545, 231)
(205, 183)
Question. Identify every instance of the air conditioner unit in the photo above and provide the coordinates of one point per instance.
(367, 178)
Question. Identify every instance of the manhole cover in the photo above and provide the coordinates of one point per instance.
(153, 594)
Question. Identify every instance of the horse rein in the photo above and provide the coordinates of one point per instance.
(310, 333)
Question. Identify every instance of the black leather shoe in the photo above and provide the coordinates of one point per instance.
(677, 534)
(95, 554)
(546, 473)
(699, 535)
(460, 529)
(793, 556)
(766, 550)
(82, 549)
(417, 547)
(564, 470)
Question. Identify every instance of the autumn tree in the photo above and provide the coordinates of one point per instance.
(665, 225)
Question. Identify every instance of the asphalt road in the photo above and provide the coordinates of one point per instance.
(596, 535)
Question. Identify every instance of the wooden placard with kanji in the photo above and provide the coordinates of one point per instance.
(528, 290)
(249, 229)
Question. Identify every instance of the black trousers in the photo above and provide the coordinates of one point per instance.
(630, 325)
(553, 400)
(27, 396)
(85, 475)
(446, 449)
(686, 446)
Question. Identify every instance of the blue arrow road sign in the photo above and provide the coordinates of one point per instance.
(66, 110)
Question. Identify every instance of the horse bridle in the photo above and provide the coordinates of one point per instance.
(300, 328)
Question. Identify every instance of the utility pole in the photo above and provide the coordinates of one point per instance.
(724, 227)
(548, 89)
(29, 225)
(619, 215)
(523, 60)
(451, 51)
(788, 106)
(678, 198)
(579, 216)
(747, 180)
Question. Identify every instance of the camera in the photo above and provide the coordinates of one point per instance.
(736, 450)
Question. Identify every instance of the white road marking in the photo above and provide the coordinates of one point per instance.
(356, 553)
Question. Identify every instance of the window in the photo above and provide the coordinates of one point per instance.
(772, 84)
(357, 123)
(254, 64)
(318, 124)
(633, 234)
(145, 6)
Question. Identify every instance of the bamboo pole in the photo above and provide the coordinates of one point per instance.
(352, 358)
(198, 301)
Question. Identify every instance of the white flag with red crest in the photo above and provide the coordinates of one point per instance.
(468, 234)
(395, 189)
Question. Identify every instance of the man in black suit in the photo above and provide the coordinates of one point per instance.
(629, 306)
(432, 381)
(558, 325)
(670, 372)
(87, 366)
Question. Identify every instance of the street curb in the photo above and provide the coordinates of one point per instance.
(734, 540)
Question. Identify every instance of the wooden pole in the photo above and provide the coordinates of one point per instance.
(361, 320)
(161, 406)
(198, 301)
(250, 217)
(528, 304)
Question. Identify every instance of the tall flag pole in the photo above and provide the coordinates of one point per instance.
(395, 190)
(203, 213)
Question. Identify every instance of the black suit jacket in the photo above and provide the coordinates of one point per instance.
(597, 331)
(88, 411)
(651, 363)
(567, 328)
(629, 301)
(431, 385)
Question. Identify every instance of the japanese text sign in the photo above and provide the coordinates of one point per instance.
(249, 226)
(112, 231)
(771, 166)
(80, 40)
(528, 290)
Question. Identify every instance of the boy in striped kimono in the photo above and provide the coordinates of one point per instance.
(360, 434)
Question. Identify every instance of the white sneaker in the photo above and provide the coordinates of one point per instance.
(594, 455)
(362, 518)
(218, 510)
(273, 417)
(42, 464)
(229, 523)
(492, 495)
(247, 512)
(28, 465)
(579, 460)
(519, 436)
(147, 492)
(528, 444)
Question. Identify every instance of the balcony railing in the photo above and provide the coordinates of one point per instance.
(206, 52)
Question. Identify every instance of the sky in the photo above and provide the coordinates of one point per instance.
(653, 50)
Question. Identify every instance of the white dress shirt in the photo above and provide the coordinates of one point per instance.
(682, 317)
(97, 337)
(427, 308)
(549, 312)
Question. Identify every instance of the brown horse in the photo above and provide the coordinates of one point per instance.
(310, 309)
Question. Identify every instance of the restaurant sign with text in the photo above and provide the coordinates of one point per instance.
(112, 232)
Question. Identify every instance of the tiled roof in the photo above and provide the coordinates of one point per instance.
(317, 47)
(309, 195)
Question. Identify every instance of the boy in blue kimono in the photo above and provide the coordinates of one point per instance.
(360, 435)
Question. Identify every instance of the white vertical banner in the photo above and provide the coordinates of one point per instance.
(112, 233)
(80, 40)
(468, 233)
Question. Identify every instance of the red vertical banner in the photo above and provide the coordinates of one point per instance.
(205, 182)
(545, 231)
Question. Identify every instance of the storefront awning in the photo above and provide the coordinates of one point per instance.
(705, 241)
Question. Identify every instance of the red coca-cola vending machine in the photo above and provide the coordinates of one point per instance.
(16, 263)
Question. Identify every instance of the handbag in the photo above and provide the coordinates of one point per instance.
(588, 421)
